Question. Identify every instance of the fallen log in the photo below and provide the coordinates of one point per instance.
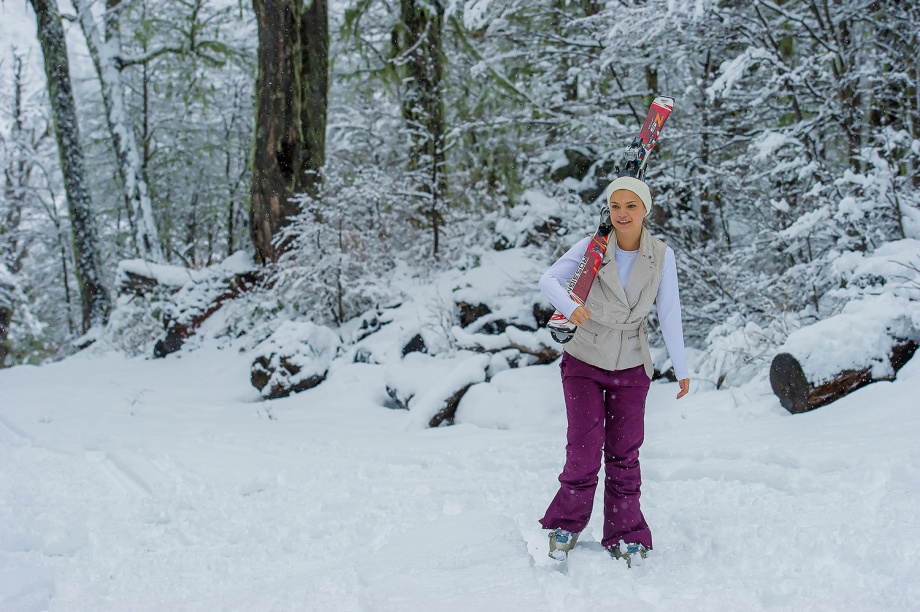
(138, 285)
(181, 328)
(448, 412)
(263, 372)
(542, 356)
(797, 394)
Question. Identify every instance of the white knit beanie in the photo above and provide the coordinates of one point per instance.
(640, 188)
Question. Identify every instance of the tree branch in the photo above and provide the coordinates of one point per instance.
(799, 21)
(124, 62)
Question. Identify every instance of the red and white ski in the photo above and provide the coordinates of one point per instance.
(634, 163)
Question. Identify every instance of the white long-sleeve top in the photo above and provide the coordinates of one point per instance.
(554, 281)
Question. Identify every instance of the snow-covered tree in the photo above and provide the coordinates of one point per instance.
(93, 295)
(106, 52)
(13, 244)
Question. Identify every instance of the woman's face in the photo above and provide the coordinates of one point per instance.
(626, 211)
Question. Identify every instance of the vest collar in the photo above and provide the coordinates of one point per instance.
(641, 274)
(645, 245)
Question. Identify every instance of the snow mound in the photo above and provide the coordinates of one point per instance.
(893, 268)
(427, 384)
(294, 358)
(516, 400)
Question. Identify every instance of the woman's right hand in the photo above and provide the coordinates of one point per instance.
(580, 315)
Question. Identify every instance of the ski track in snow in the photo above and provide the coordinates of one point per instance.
(168, 485)
(11, 430)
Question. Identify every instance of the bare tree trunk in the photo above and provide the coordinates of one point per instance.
(279, 139)
(314, 39)
(290, 115)
(106, 56)
(65, 275)
(6, 317)
(94, 299)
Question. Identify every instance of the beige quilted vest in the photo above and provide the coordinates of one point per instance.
(616, 335)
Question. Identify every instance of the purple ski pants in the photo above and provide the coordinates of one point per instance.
(606, 414)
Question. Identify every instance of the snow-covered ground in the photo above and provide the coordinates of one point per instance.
(132, 484)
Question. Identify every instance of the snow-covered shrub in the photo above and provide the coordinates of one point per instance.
(816, 238)
(16, 318)
(738, 351)
(549, 216)
(875, 307)
(531, 221)
(135, 322)
(343, 248)
(294, 358)
(870, 302)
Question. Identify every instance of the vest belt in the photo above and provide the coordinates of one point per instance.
(627, 326)
(642, 328)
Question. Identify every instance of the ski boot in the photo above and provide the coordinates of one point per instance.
(628, 552)
(561, 542)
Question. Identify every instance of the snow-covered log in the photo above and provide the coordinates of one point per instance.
(797, 394)
(293, 359)
(200, 297)
(538, 345)
(138, 277)
(869, 341)
(471, 312)
(505, 332)
(180, 329)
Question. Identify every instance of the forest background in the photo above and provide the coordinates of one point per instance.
(336, 144)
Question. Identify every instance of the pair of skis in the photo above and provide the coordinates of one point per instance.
(633, 164)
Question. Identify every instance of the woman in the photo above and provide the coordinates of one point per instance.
(606, 371)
